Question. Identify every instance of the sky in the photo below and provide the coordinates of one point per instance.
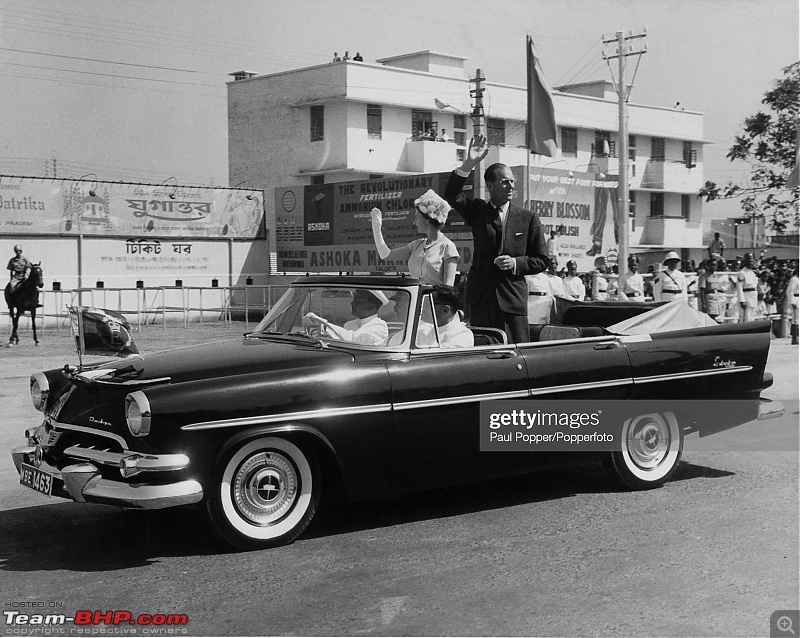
(135, 90)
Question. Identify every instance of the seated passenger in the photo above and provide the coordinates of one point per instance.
(367, 328)
(453, 333)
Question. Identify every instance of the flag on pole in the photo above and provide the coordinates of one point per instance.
(101, 332)
(541, 130)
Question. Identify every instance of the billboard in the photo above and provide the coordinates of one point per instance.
(581, 207)
(327, 227)
(36, 206)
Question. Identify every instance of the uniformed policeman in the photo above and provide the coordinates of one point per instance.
(631, 284)
(599, 281)
(747, 289)
(572, 283)
(19, 267)
(670, 284)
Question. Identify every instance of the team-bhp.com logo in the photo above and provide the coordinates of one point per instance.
(85, 617)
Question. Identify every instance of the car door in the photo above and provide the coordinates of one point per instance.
(578, 369)
(436, 397)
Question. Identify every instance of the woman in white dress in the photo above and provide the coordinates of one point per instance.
(432, 259)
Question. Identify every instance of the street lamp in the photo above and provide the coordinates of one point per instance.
(444, 105)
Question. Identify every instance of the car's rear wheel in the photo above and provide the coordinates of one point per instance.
(265, 493)
(651, 448)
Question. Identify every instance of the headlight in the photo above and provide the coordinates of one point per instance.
(137, 413)
(40, 388)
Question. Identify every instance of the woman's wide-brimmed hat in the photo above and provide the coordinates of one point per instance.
(433, 206)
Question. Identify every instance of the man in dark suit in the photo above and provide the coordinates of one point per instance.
(509, 244)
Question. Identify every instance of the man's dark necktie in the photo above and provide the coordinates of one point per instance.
(498, 229)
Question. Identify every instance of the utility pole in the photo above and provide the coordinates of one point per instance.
(623, 94)
(477, 127)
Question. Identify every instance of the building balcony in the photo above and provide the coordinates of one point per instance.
(673, 176)
(428, 156)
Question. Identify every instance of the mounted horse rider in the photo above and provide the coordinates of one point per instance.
(19, 267)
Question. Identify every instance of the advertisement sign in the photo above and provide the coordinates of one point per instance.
(123, 261)
(581, 208)
(68, 207)
(327, 227)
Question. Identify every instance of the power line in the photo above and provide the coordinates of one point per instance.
(108, 75)
(74, 57)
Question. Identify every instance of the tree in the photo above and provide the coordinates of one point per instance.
(769, 144)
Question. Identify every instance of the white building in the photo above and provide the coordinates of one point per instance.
(350, 120)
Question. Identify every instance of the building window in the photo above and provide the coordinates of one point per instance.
(374, 121)
(689, 155)
(569, 142)
(686, 206)
(657, 153)
(317, 179)
(656, 204)
(420, 123)
(460, 138)
(317, 123)
(632, 209)
(496, 131)
(600, 149)
(461, 154)
(460, 121)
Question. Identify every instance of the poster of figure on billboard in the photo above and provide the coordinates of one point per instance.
(575, 206)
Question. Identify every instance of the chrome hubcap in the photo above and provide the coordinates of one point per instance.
(648, 443)
(265, 488)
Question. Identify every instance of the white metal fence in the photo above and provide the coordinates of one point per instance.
(157, 306)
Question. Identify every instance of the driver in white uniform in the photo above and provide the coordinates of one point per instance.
(367, 328)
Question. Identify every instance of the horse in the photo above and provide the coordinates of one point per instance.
(24, 297)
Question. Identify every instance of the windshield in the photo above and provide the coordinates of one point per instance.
(352, 314)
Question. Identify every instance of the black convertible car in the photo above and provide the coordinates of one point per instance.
(257, 430)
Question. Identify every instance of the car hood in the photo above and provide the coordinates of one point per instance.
(225, 359)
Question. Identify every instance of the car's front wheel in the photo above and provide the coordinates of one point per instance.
(264, 494)
(651, 447)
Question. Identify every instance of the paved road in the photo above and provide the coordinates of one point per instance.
(559, 553)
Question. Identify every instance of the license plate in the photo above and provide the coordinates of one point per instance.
(36, 479)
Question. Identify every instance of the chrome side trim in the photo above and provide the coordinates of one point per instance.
(472, 398)
(572, 387)
(676, 376)
(322, 413)
(81, 428)
(432, 403)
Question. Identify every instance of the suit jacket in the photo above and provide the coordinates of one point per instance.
(524, 240)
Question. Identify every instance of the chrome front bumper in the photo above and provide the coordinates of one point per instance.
(83, 482)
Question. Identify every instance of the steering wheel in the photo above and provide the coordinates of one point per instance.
(313, 331)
